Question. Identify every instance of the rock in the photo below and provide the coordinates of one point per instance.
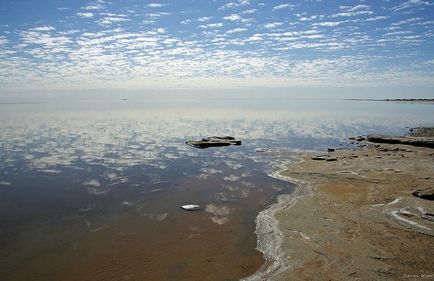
(414, 141)
(427, 194)
(214, 142)
(421, 132)
(360, 138)
(330, 149)
(332, 159)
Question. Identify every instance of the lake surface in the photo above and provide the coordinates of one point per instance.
(91, 189)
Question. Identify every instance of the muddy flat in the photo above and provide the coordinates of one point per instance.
(360, 220)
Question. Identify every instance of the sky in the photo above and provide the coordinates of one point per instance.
(199, 44)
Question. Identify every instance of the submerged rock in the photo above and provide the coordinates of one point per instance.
(214, 142)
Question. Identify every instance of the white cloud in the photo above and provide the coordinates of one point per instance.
(354, 8)
(309, 18)
(235, 4)
(3, 40)
(157, 15)
(250, 11)
(328, 23)
(43, 28)
(409, 4)
(407, 21)
(377, 18)
(273, 25)
(352, 14)
(255, 37)
(93, 7)
(149, 22)
(55, 43)
(236, 30)
(85, 15)
(111, 20)
(282, 6)
(155, 5)
(211, 25)
(233, 17)
(203, 19)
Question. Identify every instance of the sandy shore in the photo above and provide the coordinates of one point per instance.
(359, 219)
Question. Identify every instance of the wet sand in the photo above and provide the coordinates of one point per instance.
(357, 218)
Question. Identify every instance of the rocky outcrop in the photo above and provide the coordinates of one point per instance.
(427, 194)
(214, 142)
(427, 132)
(414, 141)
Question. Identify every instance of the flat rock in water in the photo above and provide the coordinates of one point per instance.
(414, 141)
(214, 142)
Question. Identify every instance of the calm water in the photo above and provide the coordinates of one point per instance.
(91, 189)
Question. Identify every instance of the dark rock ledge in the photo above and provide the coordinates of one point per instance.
(214, 142)
(414, 141)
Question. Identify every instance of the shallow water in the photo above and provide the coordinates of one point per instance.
(91, 189)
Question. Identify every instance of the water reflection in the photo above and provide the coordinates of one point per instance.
(79, 178)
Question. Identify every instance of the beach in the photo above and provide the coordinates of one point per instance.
(354, 215)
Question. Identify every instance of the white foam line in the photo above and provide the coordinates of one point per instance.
(388, 204)
(394, 201)
(412, 223)
(270, 237)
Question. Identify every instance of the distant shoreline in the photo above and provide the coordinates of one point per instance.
(396, 100)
